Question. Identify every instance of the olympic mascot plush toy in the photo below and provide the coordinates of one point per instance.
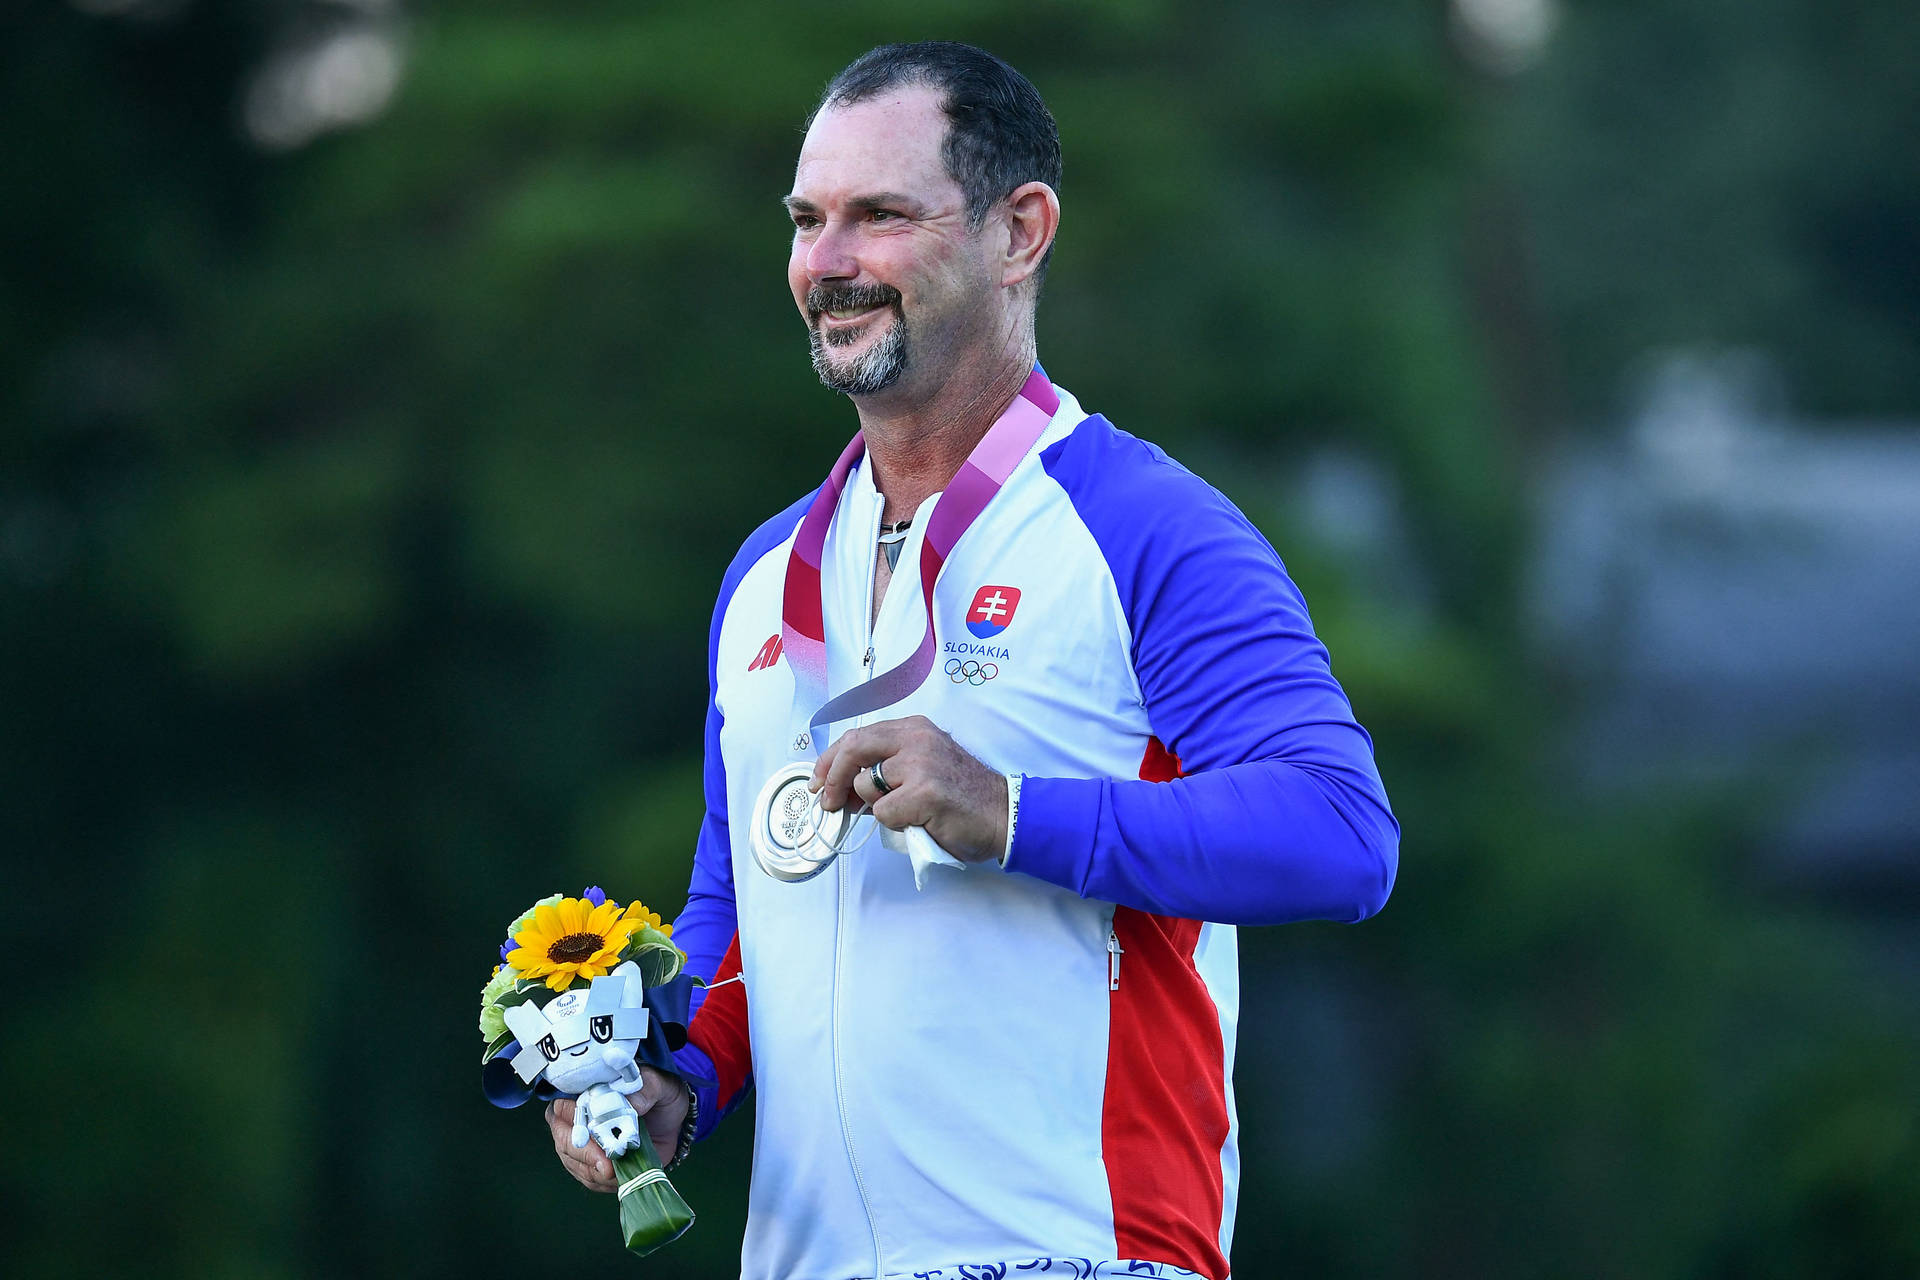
(584, 1042)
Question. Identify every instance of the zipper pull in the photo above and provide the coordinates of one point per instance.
(868, 660)
(1113, 961)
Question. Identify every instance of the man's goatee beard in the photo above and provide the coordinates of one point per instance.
(882, 366)
(875, 371)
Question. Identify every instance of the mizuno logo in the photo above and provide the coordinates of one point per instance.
(768, 655)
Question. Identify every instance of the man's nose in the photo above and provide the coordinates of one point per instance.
(830, 256)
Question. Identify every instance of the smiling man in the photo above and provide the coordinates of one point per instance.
(1074, 688)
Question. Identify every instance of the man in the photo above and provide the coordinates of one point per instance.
(1028, 1058)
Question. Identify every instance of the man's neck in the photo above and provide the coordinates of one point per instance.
(916, 449)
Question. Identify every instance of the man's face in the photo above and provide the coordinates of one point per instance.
(894, 289)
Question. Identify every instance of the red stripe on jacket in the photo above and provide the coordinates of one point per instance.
(719, 1030)
(1165, 1114)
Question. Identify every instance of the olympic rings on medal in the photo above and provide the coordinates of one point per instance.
(971, 672)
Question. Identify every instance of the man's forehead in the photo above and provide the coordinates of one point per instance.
(890, 142)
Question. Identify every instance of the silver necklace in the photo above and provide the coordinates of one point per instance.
(892, 538)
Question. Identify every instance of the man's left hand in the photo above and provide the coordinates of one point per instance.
(661, 1102)
(932, 782)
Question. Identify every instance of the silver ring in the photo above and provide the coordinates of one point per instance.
(879, 778)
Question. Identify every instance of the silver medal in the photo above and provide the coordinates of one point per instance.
(793, 838)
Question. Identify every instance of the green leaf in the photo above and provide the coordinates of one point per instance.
(659, 962)
(527, 991)
(495, 1045)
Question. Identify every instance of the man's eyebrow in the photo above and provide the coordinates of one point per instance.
(886, 200)
(878, 200)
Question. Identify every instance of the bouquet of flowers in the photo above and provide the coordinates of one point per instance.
(586, 990)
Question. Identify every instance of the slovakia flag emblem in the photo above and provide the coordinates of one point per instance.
(992, 610)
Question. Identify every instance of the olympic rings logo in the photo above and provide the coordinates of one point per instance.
(970, 672)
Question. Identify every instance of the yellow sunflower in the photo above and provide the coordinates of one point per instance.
(571, 938)
(638, 915)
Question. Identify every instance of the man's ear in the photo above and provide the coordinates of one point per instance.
(1033, 216)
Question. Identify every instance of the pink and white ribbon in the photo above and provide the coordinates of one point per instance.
(803, 632)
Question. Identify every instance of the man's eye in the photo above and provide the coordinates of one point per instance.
(805, 222)
(884, 215)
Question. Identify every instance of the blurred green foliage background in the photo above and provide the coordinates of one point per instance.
(385, 390)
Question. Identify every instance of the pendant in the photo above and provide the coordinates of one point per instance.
(793, 838)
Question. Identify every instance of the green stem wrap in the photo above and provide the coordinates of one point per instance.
(651, 1211)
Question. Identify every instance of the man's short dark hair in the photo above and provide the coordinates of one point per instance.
(999, 133)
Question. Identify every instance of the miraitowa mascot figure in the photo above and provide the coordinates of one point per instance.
(584, 1042)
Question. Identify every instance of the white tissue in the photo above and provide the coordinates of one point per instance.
(921, 851)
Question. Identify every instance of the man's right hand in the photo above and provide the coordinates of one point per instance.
(661, 1104)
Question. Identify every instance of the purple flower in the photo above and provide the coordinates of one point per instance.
(506, 949)
(595, 894)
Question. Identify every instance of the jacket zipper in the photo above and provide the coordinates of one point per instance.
(1113, 960)
(840, 1079)
(839, 936)
(866, 599)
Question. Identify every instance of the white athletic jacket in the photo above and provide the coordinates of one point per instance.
(1030, 1065)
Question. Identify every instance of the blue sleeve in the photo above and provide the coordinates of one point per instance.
(1279, 813)
(707, 929)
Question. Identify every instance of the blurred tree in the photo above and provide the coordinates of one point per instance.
(387, 391)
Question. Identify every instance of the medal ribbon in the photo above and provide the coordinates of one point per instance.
(803, 633)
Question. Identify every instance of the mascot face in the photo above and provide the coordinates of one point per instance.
(582, 1037)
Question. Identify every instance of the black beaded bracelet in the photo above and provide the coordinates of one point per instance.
(687, 1127)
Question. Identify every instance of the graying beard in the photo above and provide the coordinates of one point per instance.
(875, 371)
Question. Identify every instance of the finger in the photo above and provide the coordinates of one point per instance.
(588, 1171)
(562, 1129)
(836, 765)
(650, 1092)
(860, 748)
(588, 1165)
(897, 811)
(835, 771)
(870, 742)
(560, 1122)
(855, 740)
(910, 792)
(823, 763)
(863, 789)
(598, 1169)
